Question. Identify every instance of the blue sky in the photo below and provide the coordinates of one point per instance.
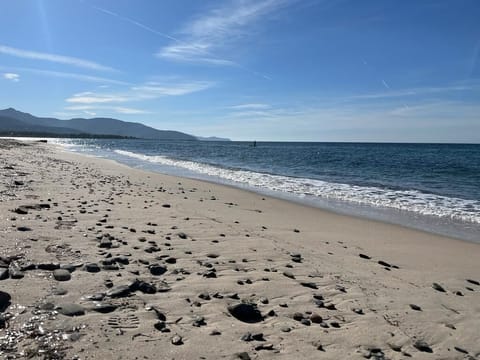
(301, 70)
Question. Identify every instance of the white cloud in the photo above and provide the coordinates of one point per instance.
(60, 59)
(250, 106)
(12, 77)
(117, 109)
(217, 28)
(151, 90)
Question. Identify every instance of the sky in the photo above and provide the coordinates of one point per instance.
(279, 70)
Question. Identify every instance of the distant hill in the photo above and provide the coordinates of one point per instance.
(15, 121)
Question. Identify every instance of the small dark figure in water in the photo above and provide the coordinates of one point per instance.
(254, 143)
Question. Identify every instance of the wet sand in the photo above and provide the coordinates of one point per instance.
(102, 261)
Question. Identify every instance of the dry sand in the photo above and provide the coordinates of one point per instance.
(155, 267)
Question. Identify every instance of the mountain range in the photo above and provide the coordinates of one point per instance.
(17, 123)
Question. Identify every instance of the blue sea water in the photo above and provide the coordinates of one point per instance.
(433, 187)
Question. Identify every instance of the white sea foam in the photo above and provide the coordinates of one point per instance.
(407, 200)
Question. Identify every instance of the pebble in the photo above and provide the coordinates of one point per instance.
(415, 307)
(5, 300)
(245, 312)
(104, 308)
(118, 291)
(157, 269)
(61, 275)
(422, 346)
(70, 309)
(438, 287)
(289, 274)
(92, 267)
(177, 340)
(363, 256)
(3, 273)
(48, 266)
(310, 285)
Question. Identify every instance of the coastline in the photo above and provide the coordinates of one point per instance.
(234, 225)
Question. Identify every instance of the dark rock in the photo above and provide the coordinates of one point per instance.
(171, 260)
(459, 349)
(215, 333)
(315, 318)
(358, 311)
(251, 337)
(21, 210)
(48, 266)
(61, 275)
(438, 287)
(157, 269)
(264, 347)
(306, 322)
(59, 291)
(310, 285)
(69, 267)
(245, 312)
(3, 273)
(289, 274)
(422, 346)
(92, 267)
(199, 321)
(384, 263)
(160, 325)
(70, 309)
(118, 291)
(166, 205)
(182, 235)
(105, 243)
(23, 228)
(474, 282)
(298, 316)
(415, 307)
(204, 296)
(143, 286)
(363, 256)
(5, 300)
(104, 308)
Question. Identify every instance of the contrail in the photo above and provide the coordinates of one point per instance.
(167, 36)
(385, 84)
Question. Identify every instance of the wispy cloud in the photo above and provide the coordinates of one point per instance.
(59, 59)
(116, 109)
(250, 106)
(388, 93)
(150, 90)
(12, 77)
(208, 33)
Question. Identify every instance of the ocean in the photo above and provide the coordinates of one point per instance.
(432, 187)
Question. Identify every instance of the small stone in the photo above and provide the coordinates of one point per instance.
(24, 228)
(474, 282)
(3, 273)
(59, 291)
(422, 346)
(242, 356)
(104, 308)
(415, 307)
(286, 329)
(177, 340)
(315, 318)
(157, 269)
(363, 256)
(438, 287)
(288, 274)
(48, 266)
(264, 347)
(61, 275)
(310, 285)
(298, 316)
(215, 333)
(245, 312)
(459, 349)
(118, 291)
(92, 267)
(5, 300)
(70, 309)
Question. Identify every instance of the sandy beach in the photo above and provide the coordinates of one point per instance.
(102, 261)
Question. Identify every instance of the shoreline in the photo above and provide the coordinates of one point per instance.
(327, 285)
(463, 231)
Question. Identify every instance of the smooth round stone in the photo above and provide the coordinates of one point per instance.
(92, 267)
(70, 309)
(59, 291)
(61, 275)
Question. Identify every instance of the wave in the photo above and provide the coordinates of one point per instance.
(405, 200)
